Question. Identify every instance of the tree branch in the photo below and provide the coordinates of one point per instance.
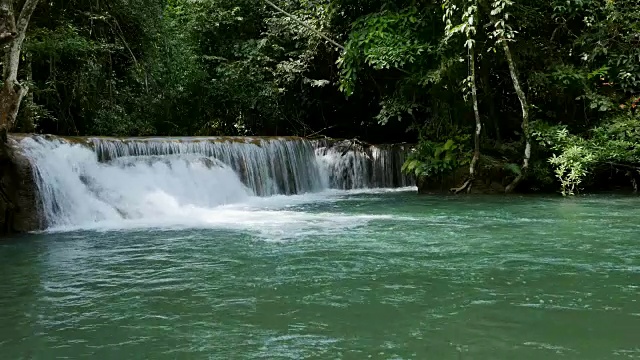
(341, 47)
(25, 15)
(319, 131)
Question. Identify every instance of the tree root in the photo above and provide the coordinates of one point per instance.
(509, 189)
(465, 186)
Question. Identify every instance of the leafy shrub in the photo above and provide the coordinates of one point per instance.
(431, 158)
(615, 143)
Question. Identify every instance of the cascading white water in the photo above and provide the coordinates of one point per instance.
(349, 167)
(75, 188)
(266, 166)
(110, 180)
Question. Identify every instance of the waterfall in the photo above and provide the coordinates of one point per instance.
(87, 180)
(267, 166)
(350, 166)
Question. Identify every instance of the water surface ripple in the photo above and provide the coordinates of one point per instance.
(354, 276)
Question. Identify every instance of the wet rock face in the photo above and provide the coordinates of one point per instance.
(19, 209)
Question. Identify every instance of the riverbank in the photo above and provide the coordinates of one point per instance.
(493, 180)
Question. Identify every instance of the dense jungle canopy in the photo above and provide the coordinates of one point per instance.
(545, 90)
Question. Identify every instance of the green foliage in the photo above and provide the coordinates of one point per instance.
(175, 67)
(239, 67)
(615, 143)
(395, 107)
(65, 41)
(571, 159)
(618, 140)
(515, 169)
(383, 40)
(430, 159)
(571, 166)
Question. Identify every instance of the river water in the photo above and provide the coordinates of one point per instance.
(380, 274)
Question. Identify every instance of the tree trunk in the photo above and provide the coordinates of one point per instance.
(525, 119)
(476, 140)
(10, 99)
(12, 91)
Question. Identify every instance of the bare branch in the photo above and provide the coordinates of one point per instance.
(305, 25)
(319, 131)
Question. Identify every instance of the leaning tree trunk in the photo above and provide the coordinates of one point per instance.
(12, 33)
(476, 140)
(525, 119)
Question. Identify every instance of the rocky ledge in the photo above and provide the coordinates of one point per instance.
(19, 209)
